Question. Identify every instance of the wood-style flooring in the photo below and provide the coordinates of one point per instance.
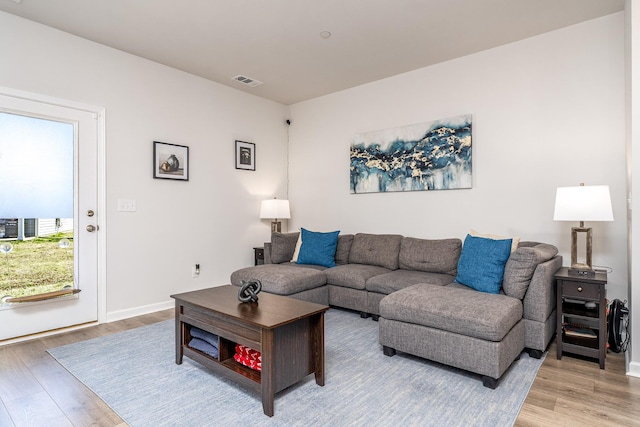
(574, 391)
(36, 391)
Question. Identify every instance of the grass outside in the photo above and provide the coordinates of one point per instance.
(36, 266)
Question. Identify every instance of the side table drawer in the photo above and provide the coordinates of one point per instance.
(580, 290)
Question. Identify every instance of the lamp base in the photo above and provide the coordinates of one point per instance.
(276, 227)
(583, 269)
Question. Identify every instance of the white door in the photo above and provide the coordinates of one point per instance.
(84, 124)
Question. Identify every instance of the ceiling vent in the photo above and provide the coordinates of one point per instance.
(247, 80)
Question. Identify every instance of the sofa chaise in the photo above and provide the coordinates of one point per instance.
(409, 285)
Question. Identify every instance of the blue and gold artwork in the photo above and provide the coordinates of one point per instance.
(426, 156)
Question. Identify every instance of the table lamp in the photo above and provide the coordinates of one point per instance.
(583, 203)
(275, 208)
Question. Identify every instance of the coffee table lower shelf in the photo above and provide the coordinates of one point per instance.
(228, 368)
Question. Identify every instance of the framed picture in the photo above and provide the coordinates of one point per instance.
(434, 155)
(245, 155)
(170, 161)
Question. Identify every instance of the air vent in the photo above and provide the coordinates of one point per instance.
(247, 80)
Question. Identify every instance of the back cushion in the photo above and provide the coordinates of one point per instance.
(376, 249)
(522, 264)
(343, 249)
(282, 246)
(433, 256)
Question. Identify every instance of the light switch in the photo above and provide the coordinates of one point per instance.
(126, 205)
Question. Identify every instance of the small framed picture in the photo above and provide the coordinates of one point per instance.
(245, 155)
(170, 161)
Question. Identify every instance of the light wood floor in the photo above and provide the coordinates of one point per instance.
(36, 391)
(576, 392)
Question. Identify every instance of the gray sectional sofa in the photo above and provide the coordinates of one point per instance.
(408, 285)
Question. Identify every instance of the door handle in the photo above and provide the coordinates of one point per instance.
(91, 228)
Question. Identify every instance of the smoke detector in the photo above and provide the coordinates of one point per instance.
(247, 80)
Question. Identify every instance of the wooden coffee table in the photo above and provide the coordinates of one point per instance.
(288, 332)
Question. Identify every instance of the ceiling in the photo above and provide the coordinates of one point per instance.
(279, 42)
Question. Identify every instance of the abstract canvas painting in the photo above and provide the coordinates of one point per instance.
(427, 156)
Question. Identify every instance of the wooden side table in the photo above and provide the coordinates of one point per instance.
(258, 256)
(581, 303)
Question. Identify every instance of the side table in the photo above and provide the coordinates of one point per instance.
(581, 314)
(258, 256)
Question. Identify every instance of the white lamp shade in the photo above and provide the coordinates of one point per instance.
(275, 208)
(583, 203)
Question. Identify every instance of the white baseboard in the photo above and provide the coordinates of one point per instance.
(634, 369)
(139, 311)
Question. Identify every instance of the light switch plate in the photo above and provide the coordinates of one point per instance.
(126, 205)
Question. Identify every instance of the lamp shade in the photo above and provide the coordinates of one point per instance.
(583, 203)
(275, 208)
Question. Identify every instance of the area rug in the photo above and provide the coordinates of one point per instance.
(135, 373)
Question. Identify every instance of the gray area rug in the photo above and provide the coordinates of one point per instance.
(135, 373)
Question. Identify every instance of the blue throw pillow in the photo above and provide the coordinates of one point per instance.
(481, 263)
(318, 248)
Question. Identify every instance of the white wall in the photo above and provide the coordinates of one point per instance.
(213, 218)
(547, 112)
(632, 56)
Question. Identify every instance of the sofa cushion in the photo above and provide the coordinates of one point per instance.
(353, 275)
(515, 241)
(281, 279)
(471, 313)
(400, 279)
(282, 246)
(481, 264)
(343, 249)
(376, 249)
(436, 256)
(522, 263)
(318, 248)
(296, 251)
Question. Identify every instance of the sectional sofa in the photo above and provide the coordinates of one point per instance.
(409, 285)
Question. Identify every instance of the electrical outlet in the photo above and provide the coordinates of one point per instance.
(195, 271)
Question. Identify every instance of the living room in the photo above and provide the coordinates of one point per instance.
(549, 111)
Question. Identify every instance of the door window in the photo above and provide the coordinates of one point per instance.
(36, 206)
